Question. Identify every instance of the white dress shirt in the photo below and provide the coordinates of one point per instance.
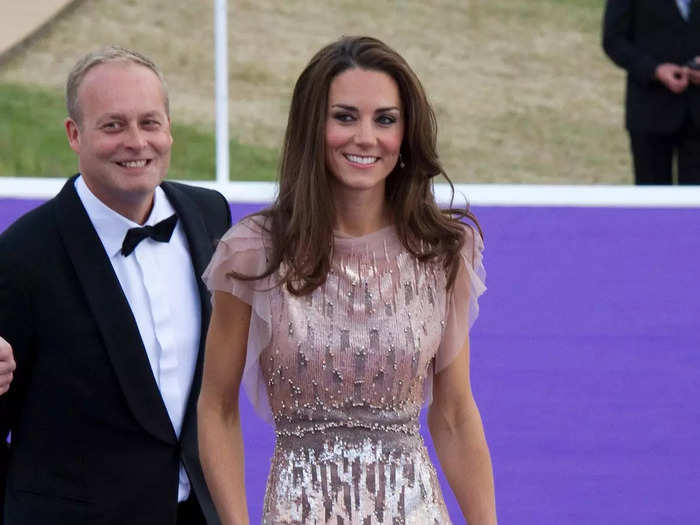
(159, 283)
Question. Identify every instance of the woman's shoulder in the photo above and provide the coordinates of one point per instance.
(473, 240)
(241, 251)
(471, 244)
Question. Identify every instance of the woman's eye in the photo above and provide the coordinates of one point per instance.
(343, 117)
(386, 120)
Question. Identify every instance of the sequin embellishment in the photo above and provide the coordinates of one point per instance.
(345, 373)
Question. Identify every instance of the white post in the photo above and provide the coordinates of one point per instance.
(221, 75)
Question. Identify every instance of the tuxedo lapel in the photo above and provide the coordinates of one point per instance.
(112, 314)
(200, 244)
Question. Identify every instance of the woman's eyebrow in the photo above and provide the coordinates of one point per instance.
(378, 110)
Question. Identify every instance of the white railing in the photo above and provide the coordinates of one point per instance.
(477, 194)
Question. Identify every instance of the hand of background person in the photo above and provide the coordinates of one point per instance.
(694, 74)
(673, 76)
(7, 365)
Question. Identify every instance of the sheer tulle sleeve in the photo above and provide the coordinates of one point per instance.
(242, 249)
(462, 301)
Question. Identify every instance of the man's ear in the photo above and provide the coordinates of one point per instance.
(73, 134)
(170, 130)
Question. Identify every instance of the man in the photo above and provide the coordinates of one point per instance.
(654, 41)
(107, 320)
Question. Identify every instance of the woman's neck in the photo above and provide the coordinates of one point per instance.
(358, 215)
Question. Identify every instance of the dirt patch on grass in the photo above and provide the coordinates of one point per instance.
(522, 91)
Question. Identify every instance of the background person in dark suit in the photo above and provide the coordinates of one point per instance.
(107, 320)
(653, 41)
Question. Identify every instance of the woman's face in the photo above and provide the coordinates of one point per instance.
(364, 129)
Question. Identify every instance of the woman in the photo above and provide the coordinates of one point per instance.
(343, 308)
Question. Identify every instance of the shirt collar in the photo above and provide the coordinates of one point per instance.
(111, 227)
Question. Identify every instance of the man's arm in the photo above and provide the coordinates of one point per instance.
(7, 367)
(619, 45)
(15, 322)
(15, 331)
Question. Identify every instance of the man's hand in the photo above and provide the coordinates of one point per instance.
(673, 76)
(694, 74)
(7, 365)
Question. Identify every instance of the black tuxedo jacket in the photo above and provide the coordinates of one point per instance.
(91, 438)
(638, 35)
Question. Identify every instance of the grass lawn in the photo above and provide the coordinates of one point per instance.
(521, 88)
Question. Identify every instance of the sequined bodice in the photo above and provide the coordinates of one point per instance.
(356, 351)
(343, 373)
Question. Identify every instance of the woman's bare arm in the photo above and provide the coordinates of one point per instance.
(219, 425)
(458, 435)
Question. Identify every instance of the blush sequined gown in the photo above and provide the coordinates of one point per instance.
(343, 373)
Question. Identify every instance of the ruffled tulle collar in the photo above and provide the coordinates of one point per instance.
(378, 241)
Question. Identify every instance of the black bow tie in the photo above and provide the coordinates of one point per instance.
(161, 232)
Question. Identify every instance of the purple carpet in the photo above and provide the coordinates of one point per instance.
(585, 364)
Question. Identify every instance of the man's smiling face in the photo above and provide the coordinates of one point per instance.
(123, 136)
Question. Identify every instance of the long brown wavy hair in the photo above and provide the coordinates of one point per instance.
(300, 222)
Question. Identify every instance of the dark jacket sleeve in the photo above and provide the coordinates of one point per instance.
(619, 44)
(15, 327)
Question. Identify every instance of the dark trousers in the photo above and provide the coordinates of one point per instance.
(653, 153)
(189, 512)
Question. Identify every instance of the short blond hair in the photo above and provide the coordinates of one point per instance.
(106, 55)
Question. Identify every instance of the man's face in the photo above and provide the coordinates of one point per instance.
(123, 137)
